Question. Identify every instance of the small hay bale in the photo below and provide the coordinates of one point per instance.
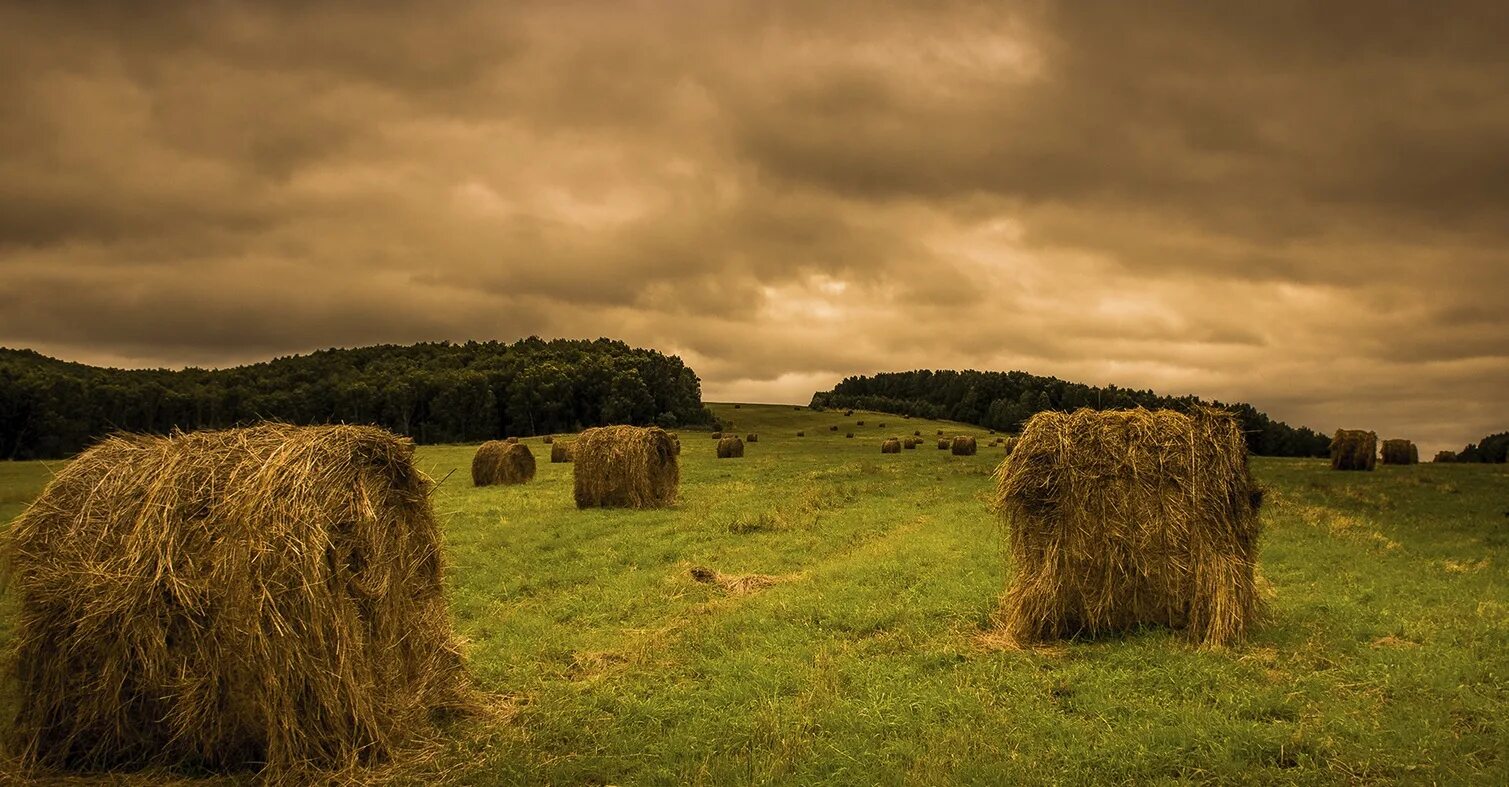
(547, 439)
(910, 443)
(890, 446)
(940, 432)
(500, 462)
(1354, 449)
(848, 413)
(730, 448)
(801, 434)
(1010, 445)
(268, 597)
(944, 443)
(1445, 456)
(963, 445)
(859, 423)
(916, 433)
(1400, 452)
(833, 428)
(625, 467)
(561, 452)
(1124, 518)
(752, 438)
(849, 435)
(738, 407)
(717, 435)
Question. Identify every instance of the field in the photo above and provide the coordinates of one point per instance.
(1387, 659)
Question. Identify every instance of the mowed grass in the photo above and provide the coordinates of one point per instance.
(1387, 658)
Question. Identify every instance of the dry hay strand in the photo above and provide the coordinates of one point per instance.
(752, 438)
(890, 446)
(500, 462)
(730, 448)
(1354, 449)
(267, 598)
(736, 584)
(963, 445)
(944, 443)
(1124, 518)
(561, 451)
(1400, 452)
(626, 467)
(1445, 456)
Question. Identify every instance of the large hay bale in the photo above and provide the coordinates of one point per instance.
(890, 446)
(266, 597)
(561, 451)
(625, 467)
(1400, 452)
(1131, 517)
(1354, 449)
(1445, 456)
(730, 448)
(502, 462)
(752, 438)
(963, 445)
(944, 443)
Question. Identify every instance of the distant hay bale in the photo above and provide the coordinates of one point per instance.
(1010, 444)
(1445, 456)
(940, 432)
(547, 440)
(833, 428)
(730, 448)
(848, 413)
(717, 435)
(268, 597)
(500, 462)
(752, 438)
(944, 443)
(1400, 452)
(1354, 449)
(881, 425)
(963, 445)
(738, 406)
(625, 467)
(859, 423)
(560, 452)
(910, 443)
(849, 435)
(801, 434)
(512, 440)
(890, 446)
(1124, 518)
(916, 433)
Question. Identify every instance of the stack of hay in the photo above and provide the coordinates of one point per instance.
(730, 448)
(1354, 449)
(1400, 452)
(502, 462)
(625, 467)
(560, 451)
(890, 446)
(260, 598)
(1124, 518)
(963, 445)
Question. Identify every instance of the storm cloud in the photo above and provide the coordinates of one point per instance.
(1301, 205)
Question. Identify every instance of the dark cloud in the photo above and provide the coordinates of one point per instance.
(1304, 205)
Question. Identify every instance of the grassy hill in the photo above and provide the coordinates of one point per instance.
(863, 662)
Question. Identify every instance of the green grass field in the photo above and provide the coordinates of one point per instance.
(1387, 659)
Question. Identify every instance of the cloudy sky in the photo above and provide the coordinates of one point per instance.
(1304, 205)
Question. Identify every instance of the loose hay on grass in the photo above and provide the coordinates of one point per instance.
(266, 598)
(499, 462)
(1123, 518)
(730, 448)
(625, 467)
(1354, 449)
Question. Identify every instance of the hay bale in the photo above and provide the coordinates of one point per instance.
(1124, 518)
(267, 597)
(1400, 452)
(944, 443)
(833, 428)
(738, 407)
(500, 462)
(1010, 445)
(963, 445)
(512, 440)
(1354, 449)
(752, 438)
(890, 446)
(561, 452)
(547, 439)
(849, 435)
(1445, 456)
(717, 435)
(730, 448)
(916, 433)
(859, 423)
(848, 413)
(625, 467)
(940, 432)
(801, 434)
(910, 443)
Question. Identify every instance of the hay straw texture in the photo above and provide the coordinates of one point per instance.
(501, 462)
(1131, 517)
(560, 451)
(963, 445)
(890, 446)
(1354, 449)
(267, 597)
(730, 448)
(626, 467)
(1400, 452)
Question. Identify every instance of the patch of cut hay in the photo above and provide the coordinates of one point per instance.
(1124, 518)
(500, 462)
(735, 584)
(625, 467)
(561, 451)
(963, 445)
(890, 446)
(267, 598)
(1400, 452)
(1354, 449)
(752, 438)
(730, 448)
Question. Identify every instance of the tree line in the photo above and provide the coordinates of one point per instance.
(1005, 400)
(434, 392)
(1491, 449)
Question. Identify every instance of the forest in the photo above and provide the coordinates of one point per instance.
(434, 392)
